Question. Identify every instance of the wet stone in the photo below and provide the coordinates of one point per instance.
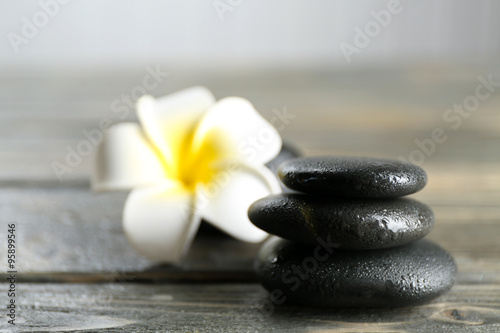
(328, 277)
(360, 224)
(357, 177)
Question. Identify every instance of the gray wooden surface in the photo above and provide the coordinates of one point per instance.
(235, 307)
(77, 272)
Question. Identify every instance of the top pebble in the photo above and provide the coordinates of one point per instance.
(355, 177)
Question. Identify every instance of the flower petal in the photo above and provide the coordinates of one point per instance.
(160, 221)
(125, 159)
(167, 121)
(224, 202)
(252, 138)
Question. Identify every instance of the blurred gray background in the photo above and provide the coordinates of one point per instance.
(224, 34)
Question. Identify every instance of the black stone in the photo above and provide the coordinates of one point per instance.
(408, 275)
(358, 177)
(288, 152)
(352, 223)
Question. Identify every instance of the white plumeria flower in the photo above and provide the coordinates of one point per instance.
(189, 158)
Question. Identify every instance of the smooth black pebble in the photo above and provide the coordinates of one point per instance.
(358, 224)
(358, 177)
(288, 152)
(328, 277)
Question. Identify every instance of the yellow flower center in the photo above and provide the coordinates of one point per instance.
(199, 165)
(194, 162)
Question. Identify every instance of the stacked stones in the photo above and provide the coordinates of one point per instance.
(348, 239)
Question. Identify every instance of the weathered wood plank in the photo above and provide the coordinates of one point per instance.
(71, 230)
(378, 112)
(33, 160)
(66, 231)
(128, 307)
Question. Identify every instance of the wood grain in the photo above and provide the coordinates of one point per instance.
(237, 307)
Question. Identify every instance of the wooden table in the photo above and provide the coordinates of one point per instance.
(76, 271)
